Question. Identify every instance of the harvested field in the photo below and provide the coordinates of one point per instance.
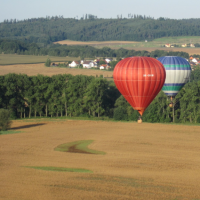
(93, 43)
(35, 69)
(137, 46)
(142, 161)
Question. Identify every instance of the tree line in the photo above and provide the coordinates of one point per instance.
(90, 28)
(186, 105)
(59, 95)
(83, 17)
(22, 48)
(88, 96)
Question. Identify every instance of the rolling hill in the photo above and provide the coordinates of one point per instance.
(138, 28)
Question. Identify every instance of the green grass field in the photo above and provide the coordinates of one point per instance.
(9, 132)
(11, 59)
(77, 147)
(178, 40)
(160, 42)
(61, 169)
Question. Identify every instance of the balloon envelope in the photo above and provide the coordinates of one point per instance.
(177, 73)
(139, 80)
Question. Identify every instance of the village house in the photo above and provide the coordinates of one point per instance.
(89, 64)
(168, 45)
(96, 60)
(108, 60)
(104, 66)
(86, 64)
(184, 45)
(194, 60)
(94, 64)
(74, 64)
(192, 45)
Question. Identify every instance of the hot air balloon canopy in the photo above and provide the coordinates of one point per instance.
(139, 80)
(177, 74)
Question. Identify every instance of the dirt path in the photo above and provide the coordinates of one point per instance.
(142, 161)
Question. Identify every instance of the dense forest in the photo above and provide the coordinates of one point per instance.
(21, 48)
(90, 28)
(87, 96)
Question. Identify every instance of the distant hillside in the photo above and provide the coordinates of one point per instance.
(138, 28)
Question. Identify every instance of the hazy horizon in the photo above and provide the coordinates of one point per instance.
(172, 9)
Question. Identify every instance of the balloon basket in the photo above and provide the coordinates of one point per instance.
(139, 120)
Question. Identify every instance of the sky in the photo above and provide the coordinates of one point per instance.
(24, 9)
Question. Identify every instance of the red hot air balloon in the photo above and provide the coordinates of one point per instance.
(139, 80)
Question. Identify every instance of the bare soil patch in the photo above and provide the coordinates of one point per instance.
(74, 149)
(35, 69)
(142, 161)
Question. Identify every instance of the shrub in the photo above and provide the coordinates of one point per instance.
(4, 119)
(48, 62)
(81, 66)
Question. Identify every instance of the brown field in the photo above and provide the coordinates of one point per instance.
(35, 69)
(104, 43)
(142, 161)
(138, 46)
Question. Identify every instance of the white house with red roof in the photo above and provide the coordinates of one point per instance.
(168, 45)
(195, 60)
(74, 64)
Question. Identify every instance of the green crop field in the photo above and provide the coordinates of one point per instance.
(178, 40)
(160, 42)
(11, 59)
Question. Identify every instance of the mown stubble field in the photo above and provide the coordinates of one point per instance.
(35, 69)
(142, 161)
(137, 46)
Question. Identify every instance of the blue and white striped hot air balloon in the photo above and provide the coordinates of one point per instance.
(177, 74)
